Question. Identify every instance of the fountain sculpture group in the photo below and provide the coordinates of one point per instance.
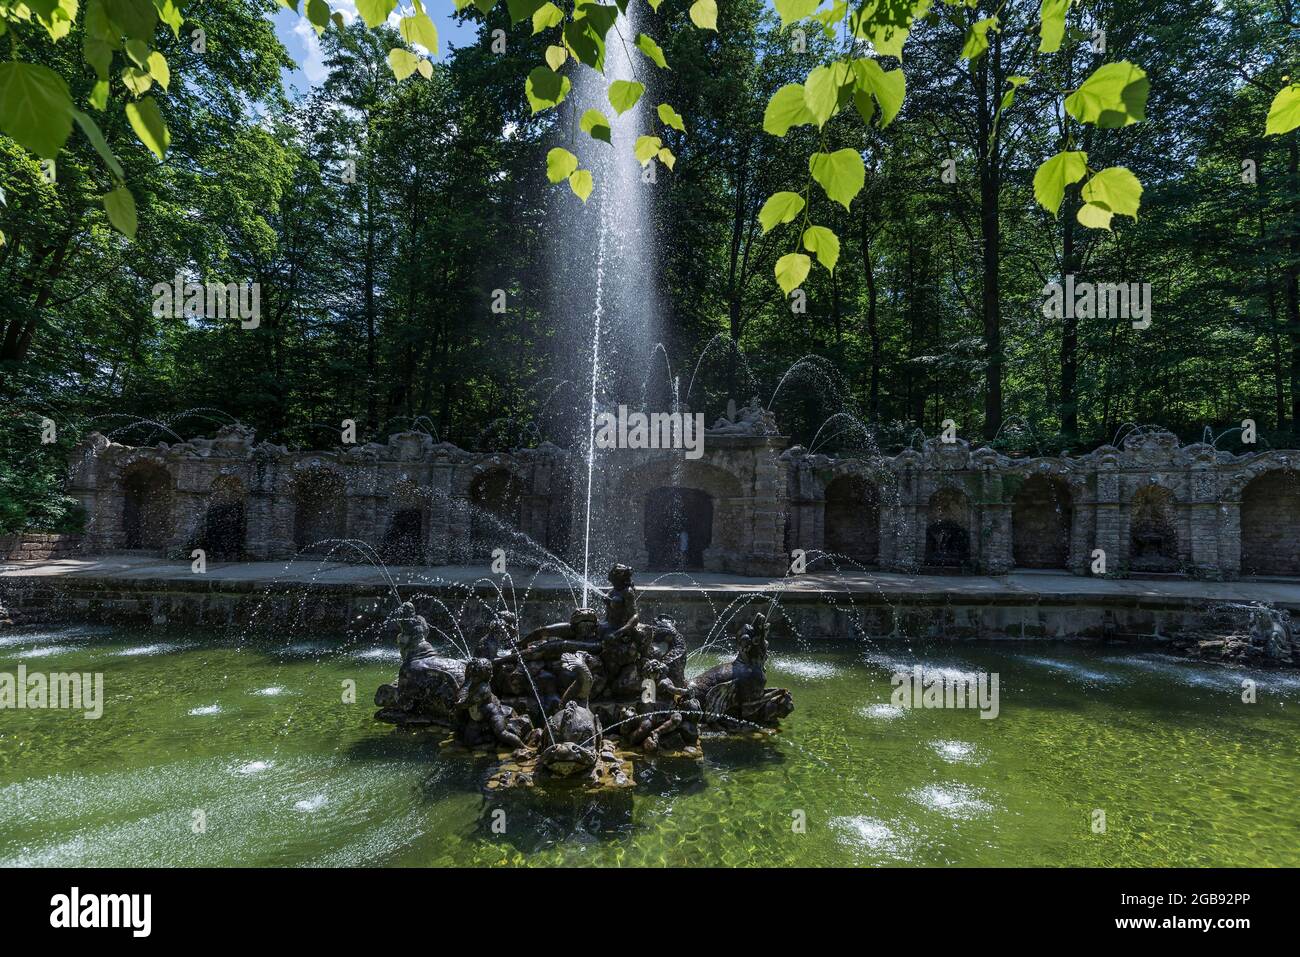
(575, 700)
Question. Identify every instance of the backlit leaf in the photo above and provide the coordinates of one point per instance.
(580, 183)
(824, 243)
(1114, 96)
(888, 87)
(560, 164)
(977, 39)
(1052, 31)
(792, 11)
(420, 29)
(704, 14)
(1054, 175)
(841, 174)
(375, 12)
(821, 89)
(596, 125)
(1284, 114)
(791, 270)
(651, 49)
(545, 88)
(35, 107)
(402, 62)
(1094, 217)
(623, 95)
(646, 148)
(786, 109)
(780, 208)
(548, 15)
(147, 121)
(1115, 189)
(120, 207)
(670, 117)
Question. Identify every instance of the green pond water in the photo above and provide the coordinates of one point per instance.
(257, 737)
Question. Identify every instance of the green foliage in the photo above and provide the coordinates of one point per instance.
(791, 271)
(780, 208)
(1053, 176)
(374, 290)
(624, 94)
(841, 174)
(595, 124)
(35, 107)
(651, 49)
(1284, 113)
(1114, 96)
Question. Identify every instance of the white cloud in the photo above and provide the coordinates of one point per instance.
(312, 62)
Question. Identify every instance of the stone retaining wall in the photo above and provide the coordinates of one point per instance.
(300, 609)
(38, 546)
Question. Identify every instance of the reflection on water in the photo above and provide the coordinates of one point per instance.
(263, 740)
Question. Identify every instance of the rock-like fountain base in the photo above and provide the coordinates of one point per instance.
(574, 701)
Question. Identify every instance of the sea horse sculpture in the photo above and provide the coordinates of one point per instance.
(738, 689)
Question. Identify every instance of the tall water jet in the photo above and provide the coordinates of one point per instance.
(606, 293)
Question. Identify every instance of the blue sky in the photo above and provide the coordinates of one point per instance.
(299, 37)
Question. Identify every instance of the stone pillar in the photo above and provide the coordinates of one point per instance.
(1229, 518)
(1083, 526)
(994, 517)
(280, 516)
(1110, 525)
(908, 524)
(1203, 524)
(766, 551)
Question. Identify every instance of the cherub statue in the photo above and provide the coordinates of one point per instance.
(483, 718)
(579, 633)
(620, 603)
(427, 683)
(499, 635)
(654, 729)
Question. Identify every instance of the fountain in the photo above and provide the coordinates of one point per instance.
(573, 701)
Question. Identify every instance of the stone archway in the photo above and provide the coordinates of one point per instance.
(1153, 531)
(626, 514)
(678, 528)
(947, 534)
(852, 519)
(498, 497)
(1270, 524)
(224, 521)
(1041, 521)
(404, 538)
(146, 506)
(320, 509)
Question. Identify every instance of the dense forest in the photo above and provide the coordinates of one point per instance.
(377, 217)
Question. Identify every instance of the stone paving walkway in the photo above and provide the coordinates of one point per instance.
(1022, 586)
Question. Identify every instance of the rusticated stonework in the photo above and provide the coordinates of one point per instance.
(749, 504)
